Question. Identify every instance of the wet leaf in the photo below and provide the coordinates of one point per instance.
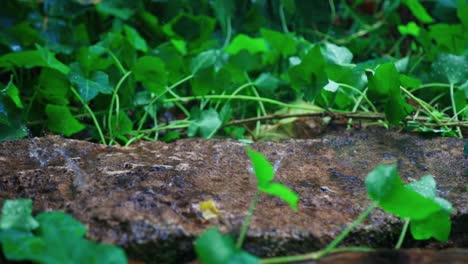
(451, 68)
(89, 86)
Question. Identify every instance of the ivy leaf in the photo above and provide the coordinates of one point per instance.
(17, 214)
(309, 76)
(60, 120)
(438, 224)
(418, 11)
(135, 39)
(13, 92)
(151, 71)
(451, 68)
(281, 42)
(385, 85)
(264, 172)
(33, 58)
(121, 124)
(53, 87)
(89, 87)
(204, 123)
(212, 247)
(244, 42)
(262, 168)
(283, 192)
(384, 186)
(195, 30)
(204, 60)
(336, 54)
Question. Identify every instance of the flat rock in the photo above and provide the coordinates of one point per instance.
(146, 197)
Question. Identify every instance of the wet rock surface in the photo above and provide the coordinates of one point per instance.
(146, 197)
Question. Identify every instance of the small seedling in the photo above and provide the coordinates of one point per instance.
(426, 214)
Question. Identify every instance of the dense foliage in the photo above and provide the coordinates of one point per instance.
(118, 71)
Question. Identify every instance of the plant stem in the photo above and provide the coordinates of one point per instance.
(284, 25)
(246, 97)
(115, 99)
(313, 255)
(454, 109)
(228, 32)
(96, 123)
(248, 217)
(402, 234)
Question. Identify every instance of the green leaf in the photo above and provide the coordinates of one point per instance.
(17, 214)
(151, 71)
(117, 8)
(451, 68)
(309, 76)
(284, 43)
(244, 42)
(418, 11)
(21, 246)
(409, 29)
(212, 247)
(135, 39)
(60, 120)
(32, 58)
(204, 60)
(462, 12)
(336, 54)
(121, 124)
(63, 237)
(449, 38)
(53, 87)
(57, 223)
(384, 82)
(409, 82)
(267, 84)
(89, 87)
(438, 224)
(385, 85)
(261, 166)
(13, 92)
(283, 192)
(396, 109)
(195, 30)
(384, 186)
(204, 123)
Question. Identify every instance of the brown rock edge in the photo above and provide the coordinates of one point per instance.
(145, 197)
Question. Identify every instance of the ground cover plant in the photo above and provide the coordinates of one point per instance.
(115, 72)
(119, 71)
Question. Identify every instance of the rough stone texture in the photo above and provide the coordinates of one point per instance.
(146, 197)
